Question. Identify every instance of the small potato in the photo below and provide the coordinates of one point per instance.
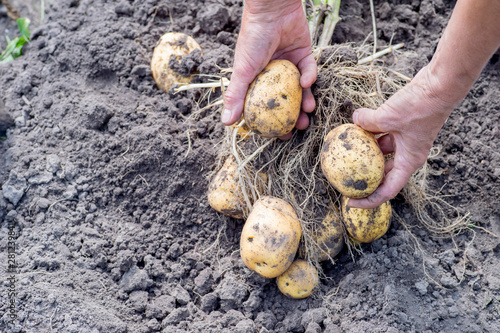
(299, 280)
(329, 237)
(270, 237)
(224, 191)
(273, 100)
(352, 161)
(172, 44)
(366, 225)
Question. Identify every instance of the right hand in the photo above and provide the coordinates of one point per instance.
(271, 30)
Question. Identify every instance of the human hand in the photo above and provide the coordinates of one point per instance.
(412, 118)
(271, 30)
(414, 115)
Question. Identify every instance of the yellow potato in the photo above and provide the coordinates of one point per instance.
(299, 280)
(270, 237)
(329, 237)
(272, 103)
(366, 225)
(172, 44)
(352, 161)
(224, 191)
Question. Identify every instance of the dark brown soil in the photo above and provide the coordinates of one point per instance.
(113, 229)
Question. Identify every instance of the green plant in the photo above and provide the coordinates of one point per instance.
(15, 46)
(324, 13)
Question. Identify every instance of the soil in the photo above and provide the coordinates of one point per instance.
(105, 191)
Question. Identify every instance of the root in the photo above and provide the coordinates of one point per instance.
(431, 210)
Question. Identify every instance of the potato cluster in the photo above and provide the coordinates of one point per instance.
(270, 237)
(272, 241)
(353, 163)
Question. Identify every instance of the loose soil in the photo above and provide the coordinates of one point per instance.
(104, 184)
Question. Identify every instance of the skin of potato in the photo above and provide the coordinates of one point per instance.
(352, 161)
(270, 237)
(171, 44)
(299, 280)
(329, 237)
(366, 225)
(273, 100)
(224, 192)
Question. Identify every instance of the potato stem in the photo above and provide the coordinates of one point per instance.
(217, 84)
(331, 20)
(380, 53)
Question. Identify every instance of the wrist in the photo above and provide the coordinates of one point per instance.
(431, 92)
(450, 82)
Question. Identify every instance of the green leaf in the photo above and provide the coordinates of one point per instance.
(6, 59)
(8, 50)
(15, 46)
(23, 26)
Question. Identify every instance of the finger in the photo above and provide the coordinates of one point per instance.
(286, 137)
(234, 97)
(247, 65)
(368, 119)
(308, 102)
(308, 71)
(393, 183)
(302, 121)
(385, 144)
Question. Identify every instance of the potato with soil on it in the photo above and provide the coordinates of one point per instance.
(299, 280)
(273, 100)
(224, 191)
(366, 225)
(171, 45)
(270, 237)
(328, 240)
(352, 161)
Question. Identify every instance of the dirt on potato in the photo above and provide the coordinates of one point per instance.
(103, 187)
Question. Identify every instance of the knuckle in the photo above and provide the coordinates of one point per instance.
(388, 117)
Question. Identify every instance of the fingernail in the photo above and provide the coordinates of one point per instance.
(355, 117)
(226, 116)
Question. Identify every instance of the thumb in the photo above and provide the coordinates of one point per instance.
(234, 97)
(368, 119)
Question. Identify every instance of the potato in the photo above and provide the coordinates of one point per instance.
(172, 44)
(352, 161)
(272, 103)
(366, 225)
(329, 237)
(270, 237)
(299, 280)
(224, 191)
